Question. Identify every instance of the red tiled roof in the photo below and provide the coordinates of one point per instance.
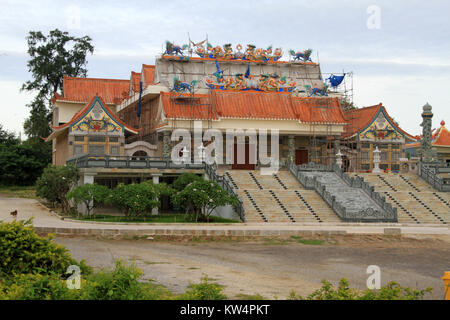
(253, 105)
(135, 79)
(318, 110)
(112, 91)
(149, 74)
(442, 138)
(85, 109)
(178, 106)
(359, 119)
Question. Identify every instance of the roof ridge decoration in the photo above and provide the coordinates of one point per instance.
(247, 81)
(226, 52)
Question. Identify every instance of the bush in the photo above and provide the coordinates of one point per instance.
(36, 287)
(90, 195)
(55, 183)
(205, 290)
(202, 197)
(391, 291)
(23, 251)
(134, 199)
(184, 179)
(122, 283)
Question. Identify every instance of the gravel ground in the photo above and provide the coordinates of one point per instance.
(272, 268)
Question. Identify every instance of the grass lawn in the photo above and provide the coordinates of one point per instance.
(18, 192)
(162, 218)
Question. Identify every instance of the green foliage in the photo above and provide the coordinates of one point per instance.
(55, 183)
(21, 164)
(36, 287)
(90, 195)
(205, 290)
(203, 197)
(23, 251)
(51, 57)
(134, 199)
(7, 138)
(184, 179)
(391, 291)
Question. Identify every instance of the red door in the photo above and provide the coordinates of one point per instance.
(246, 165)
(301, 156)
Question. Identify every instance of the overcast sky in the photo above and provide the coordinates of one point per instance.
(399, 51)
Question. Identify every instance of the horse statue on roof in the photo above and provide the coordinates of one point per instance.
(301, 56)
(172, 49)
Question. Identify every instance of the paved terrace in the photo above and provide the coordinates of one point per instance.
(46, 221)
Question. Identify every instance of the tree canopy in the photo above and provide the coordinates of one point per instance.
(52, 57)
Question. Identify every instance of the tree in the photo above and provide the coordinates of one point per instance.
(134, 199)
(184, 179)
(203, 197)
(7, 138)
(52, 57)
(90, 195)
(55, 183)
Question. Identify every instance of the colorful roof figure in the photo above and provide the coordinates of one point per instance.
(364, 119)
(251, 105)
(75, 89)
(439, 138)
(95, 116)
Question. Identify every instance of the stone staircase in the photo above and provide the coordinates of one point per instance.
(278, 198)
(416, 201)
(352, 199)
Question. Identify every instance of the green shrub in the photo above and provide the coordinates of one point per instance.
(36, 287)
(90, 195)
(55, 183)
(122, 283)
(204, 290)
(391, 291)
(184, 179)
(202, 197)
(134, 199)
(23, 251)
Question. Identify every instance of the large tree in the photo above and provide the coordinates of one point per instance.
(51, 57)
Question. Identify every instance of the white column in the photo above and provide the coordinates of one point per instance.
(155, 178)
(86, 178)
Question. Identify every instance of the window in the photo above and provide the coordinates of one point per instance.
(365, 145)
(383, 156)
(395, 146)
(395, 155)
(114, 150)
(365, 167)
(113, 139)
(384, 166)
(365, 156)
(79, 138)
(77, 150)
(395, 167)
(97, 150)
(97, 139)
(383, 146)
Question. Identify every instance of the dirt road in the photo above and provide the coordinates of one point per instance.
(273, 268)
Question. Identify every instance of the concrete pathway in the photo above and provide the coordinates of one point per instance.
(48, 222)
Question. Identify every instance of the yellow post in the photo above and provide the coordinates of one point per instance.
(446, 279)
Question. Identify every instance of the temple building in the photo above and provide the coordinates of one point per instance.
(370, 128)
(223, 89)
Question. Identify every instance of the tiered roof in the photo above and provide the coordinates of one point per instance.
(252, 105)
(359, 119)
(439, 138)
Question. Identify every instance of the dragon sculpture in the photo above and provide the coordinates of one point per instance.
(179, 86)
(173, 49)
(301, 56)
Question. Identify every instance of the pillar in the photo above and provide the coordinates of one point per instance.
(166, 144)
(376, 161)
(155, 179)
(426, 151)
(291, 146)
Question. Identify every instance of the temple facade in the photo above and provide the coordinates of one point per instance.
(223, 89)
